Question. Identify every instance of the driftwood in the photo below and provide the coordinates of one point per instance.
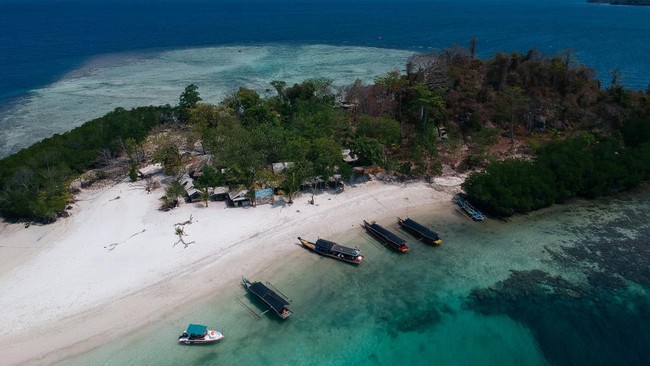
(180, 231)
(189, 221)
(112, 246)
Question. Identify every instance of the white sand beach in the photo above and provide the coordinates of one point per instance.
(113, 264)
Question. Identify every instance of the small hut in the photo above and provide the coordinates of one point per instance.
(239, 198)
(193, 194)
(220, 194)
(195, 169)
(186, 181)
(280, 167)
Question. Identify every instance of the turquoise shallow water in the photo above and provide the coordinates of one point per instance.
(419, 308)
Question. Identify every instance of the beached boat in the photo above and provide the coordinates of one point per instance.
(420, 231)
(386, 236)
(334, 250)
(272, 300)
(468, 210)
(199, 334)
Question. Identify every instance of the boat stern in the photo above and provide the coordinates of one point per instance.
(285, 313)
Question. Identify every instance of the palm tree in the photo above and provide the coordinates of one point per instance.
(205, 195)
(172, 192)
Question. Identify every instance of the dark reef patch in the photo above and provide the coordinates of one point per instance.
(419, 321)
(572, 325)
(601, 321)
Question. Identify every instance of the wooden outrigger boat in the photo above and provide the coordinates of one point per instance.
(272, 300)
(420, 231)
(334, 250)
(199, 334)
(468, 210)
(386, 236)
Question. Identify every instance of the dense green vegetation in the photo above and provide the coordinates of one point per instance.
(583, 165)
(579, 139)
(35, 181)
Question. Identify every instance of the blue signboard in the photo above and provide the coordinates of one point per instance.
(260, 193)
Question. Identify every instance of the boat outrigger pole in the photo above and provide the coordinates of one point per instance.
(249, 308)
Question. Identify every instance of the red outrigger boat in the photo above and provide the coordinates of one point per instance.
(420, 231)
(386, 236)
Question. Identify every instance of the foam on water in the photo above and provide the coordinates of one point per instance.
(132, 80)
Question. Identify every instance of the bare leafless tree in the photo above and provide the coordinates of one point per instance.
(430, 69)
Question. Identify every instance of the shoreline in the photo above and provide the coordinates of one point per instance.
(75, 285)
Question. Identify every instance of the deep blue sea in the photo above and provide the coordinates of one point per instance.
(63, 62)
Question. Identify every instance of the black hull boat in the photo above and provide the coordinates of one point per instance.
(271, 299)
(420, 231)
(386, 236)
(333, 250)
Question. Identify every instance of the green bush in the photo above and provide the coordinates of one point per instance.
(33, 182)
(367, 150)
(582, 165)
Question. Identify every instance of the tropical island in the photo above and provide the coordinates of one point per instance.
(534, 130)
(102, 220)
